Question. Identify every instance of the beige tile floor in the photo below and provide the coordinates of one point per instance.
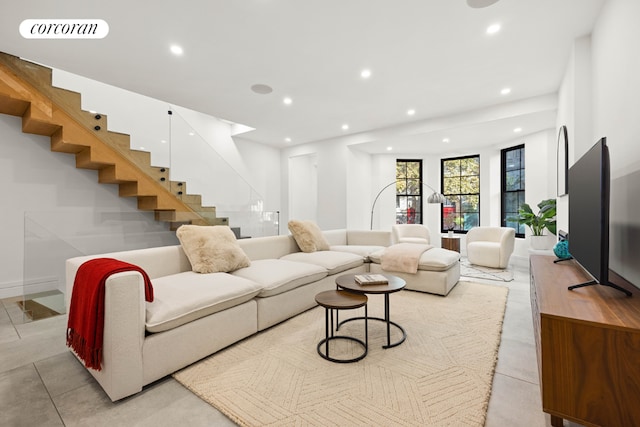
(42, 384)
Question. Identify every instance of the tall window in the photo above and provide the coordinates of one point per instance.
(408, 191)
(512, 172)
(461, 187)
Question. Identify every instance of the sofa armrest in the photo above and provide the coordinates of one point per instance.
(507, 245)
(123, 337)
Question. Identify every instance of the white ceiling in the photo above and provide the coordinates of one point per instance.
(429, 55)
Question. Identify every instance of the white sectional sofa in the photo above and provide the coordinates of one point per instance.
(195, 315)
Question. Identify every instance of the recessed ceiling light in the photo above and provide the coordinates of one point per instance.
(142, 148)
(345, 127)
(287, 139)
(492, 29)
(176, 50)
(411, 112)
(445, 140)
(389, 148)
(365, 74)
(163, 141)
(505, 91)
(191, 133)
(261, 89)
(287, 101)
(517, 130)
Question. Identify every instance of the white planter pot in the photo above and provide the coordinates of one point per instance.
(541, 242)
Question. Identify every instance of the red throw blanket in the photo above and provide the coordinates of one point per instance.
(86, 311)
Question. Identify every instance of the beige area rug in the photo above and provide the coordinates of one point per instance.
(479, 272)
(441, 375)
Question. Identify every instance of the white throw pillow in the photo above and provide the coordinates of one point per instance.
(308, 236)
(212, 249)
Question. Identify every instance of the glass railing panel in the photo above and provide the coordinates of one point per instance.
(253, 224)
(52, 237)
(205, 180)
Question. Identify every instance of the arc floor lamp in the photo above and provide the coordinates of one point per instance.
(435, 197)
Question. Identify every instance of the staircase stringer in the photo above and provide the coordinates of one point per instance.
(44, 116)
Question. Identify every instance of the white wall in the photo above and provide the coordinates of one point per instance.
(540, 183)
(575, 111)
(262, 166)
(333, 161)
(359, 187)
(331, 198)
(616, 108)
(384, 173)
(303, 188)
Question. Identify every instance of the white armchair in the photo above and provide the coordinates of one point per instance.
(490, 246)
(410, 233)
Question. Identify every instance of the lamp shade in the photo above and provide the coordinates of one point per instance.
(436, 197)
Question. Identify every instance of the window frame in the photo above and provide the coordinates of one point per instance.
(503, 185)
(444, 229)
(419, 195)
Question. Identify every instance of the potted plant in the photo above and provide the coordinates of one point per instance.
(545, 218)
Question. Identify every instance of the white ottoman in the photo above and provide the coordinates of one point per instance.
(438, 271)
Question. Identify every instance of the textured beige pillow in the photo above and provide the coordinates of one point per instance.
(211, 249)
(308, 236)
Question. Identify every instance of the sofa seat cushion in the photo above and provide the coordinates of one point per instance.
(362, 250)
(435, 259)
(184, 297)
(333, 261)
(278, 275)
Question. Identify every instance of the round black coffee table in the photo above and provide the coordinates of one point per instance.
(341, 300)
(348, 283)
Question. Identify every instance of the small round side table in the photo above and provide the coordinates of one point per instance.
(341, 300)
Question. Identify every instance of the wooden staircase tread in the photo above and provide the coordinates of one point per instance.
(13, 106)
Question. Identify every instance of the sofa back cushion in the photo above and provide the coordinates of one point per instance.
(270, 247)
(410, 233)
(369, 237)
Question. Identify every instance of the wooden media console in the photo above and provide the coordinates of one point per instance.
(588, 346)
